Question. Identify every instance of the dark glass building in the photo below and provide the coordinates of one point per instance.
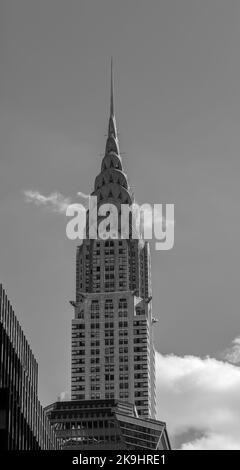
(23, 424)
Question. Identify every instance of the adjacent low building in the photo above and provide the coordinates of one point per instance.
(105, 424)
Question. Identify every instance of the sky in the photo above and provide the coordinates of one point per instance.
(177, 103)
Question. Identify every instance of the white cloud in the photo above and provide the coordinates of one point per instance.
(56, 202)
(64, 396)
(83, 195)
(149, 217)
(199, 396)
(232, 354)
(213, 441)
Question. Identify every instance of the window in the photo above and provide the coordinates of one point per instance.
(109, 377)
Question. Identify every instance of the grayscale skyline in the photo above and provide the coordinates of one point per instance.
(177, 104)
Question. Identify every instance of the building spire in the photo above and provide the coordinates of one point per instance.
(112, 140)
(111, 184)
(112, 91)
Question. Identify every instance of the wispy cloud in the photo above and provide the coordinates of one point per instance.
(232, 354)
(83, 195)
(55, 201)
(199, 398)
(158, 217)
(64, 396)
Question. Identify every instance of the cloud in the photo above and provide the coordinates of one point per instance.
(64, 396)
(83, 195)
(151, 216)
(199, 398)
(55, 202)
(232, 354)
(213, 441)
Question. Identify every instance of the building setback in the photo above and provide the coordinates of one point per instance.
(23, 424)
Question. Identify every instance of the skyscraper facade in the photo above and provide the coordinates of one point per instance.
(112, 331)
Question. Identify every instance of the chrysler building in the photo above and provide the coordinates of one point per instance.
(113, 354)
